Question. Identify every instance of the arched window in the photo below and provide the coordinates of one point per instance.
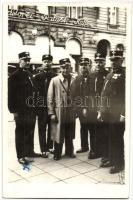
(42, 47)
(15, 46)
(120, 47)
(103, 47)
(73, 48)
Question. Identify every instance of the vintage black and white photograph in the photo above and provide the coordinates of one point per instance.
(66, 102)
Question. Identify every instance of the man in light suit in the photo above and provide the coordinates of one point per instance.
(60, 111)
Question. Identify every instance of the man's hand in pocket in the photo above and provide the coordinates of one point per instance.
(53, 118)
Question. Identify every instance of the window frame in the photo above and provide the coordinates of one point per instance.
(78, 12)
(113, 15)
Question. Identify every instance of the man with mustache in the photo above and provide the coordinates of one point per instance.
(97, 129)
(20, 88)
(87, 86)
(114, 114)
(80, 93)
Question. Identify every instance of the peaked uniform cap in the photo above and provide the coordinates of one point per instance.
(84, 60)
(24, 55)
(99, 56)
(116, 54)
(64, 61)
(47, 57)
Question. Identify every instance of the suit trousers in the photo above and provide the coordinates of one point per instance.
(68, 142)
(98, 138)
(92, 131)
(89, 123)
(85, 127)
(102, 140)
(44, 131)
(84, 134)
(25, 123)
(116, 144)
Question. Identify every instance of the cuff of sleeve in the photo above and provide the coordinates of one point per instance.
(122, 116)
(51, 112)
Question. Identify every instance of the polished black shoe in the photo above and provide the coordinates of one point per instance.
(105, 164)
(115, 169)
(45, 154)
(104, 160)
(92, 155)
(82, 150)
(35, 155)
(29, 159)
(72, 155)
(57, 158)
(23, 161)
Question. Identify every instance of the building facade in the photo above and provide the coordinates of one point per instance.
(65, 32)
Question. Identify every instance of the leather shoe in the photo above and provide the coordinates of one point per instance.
(57, 158)
(45, 155)
(70, 155)
(29, 159)
(105, 164)
(104, 160)
(91, 155)
(35, 155)
(115, 169)
(82, 150)
(23, 161)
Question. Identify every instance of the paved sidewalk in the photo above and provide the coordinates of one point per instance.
(65, 171)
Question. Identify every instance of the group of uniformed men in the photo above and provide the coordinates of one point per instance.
(97, 98)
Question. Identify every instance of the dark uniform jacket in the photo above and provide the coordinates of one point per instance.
(21, 92)
(86, 94)
(113, 96)
(96, 82)
(42, 80)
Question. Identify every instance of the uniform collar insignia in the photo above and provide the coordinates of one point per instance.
(115, 76)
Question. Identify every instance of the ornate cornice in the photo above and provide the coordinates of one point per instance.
(23, 17)
(39, 17)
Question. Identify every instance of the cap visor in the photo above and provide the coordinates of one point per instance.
(99, 59)
(115, 57)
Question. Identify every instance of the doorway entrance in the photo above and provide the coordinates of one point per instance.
(73, 48)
